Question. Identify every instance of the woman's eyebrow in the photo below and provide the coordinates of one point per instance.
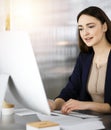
(86, 24)
(80, 26)
(90, 23)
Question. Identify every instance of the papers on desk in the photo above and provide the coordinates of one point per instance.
(24, 112)
(73, 122)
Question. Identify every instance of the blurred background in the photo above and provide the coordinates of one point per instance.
(52, 27)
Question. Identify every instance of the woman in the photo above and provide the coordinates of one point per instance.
(89, 86)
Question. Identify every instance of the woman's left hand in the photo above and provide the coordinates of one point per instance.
(72, 104)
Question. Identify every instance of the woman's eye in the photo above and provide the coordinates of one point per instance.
(80, 29)
(92, 26)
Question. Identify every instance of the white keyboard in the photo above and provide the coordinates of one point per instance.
(75, 114)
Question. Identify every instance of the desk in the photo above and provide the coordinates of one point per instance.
(105, 118)
(15, 122)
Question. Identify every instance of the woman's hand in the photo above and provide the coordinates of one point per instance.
(72, 104)
(56, 104)
(52, 104)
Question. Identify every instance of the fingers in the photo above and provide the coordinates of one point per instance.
(51, 104)
(68, 107)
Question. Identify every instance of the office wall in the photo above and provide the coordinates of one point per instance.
(2, 15)
(53, 36)
(53, 31)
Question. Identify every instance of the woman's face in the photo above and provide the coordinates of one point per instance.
(91, 30)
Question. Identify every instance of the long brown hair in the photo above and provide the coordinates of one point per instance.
(102, 17)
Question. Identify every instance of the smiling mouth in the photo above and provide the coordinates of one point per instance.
(88, 39)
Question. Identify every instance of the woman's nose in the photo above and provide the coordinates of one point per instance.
(85, 32)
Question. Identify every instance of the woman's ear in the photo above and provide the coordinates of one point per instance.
(105, 27)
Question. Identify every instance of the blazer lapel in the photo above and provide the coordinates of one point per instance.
(86, 70)
(108, 81)
(85, 75)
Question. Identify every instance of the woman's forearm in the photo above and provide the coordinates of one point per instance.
(99, 107)
(71, 105)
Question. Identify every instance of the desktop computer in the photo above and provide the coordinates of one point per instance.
(17, 60)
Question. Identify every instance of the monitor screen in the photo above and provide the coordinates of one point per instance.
(17, 60)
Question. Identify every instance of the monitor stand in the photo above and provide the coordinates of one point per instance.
(3, 87)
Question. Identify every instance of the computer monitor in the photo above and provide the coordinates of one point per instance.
(17, 59)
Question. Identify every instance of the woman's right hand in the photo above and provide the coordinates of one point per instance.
(52, 104)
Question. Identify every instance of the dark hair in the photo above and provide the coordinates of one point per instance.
(102, 17)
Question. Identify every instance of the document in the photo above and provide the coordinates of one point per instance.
(73, 122)
(24, 112)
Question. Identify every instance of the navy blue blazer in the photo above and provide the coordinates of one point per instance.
(76, 87)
